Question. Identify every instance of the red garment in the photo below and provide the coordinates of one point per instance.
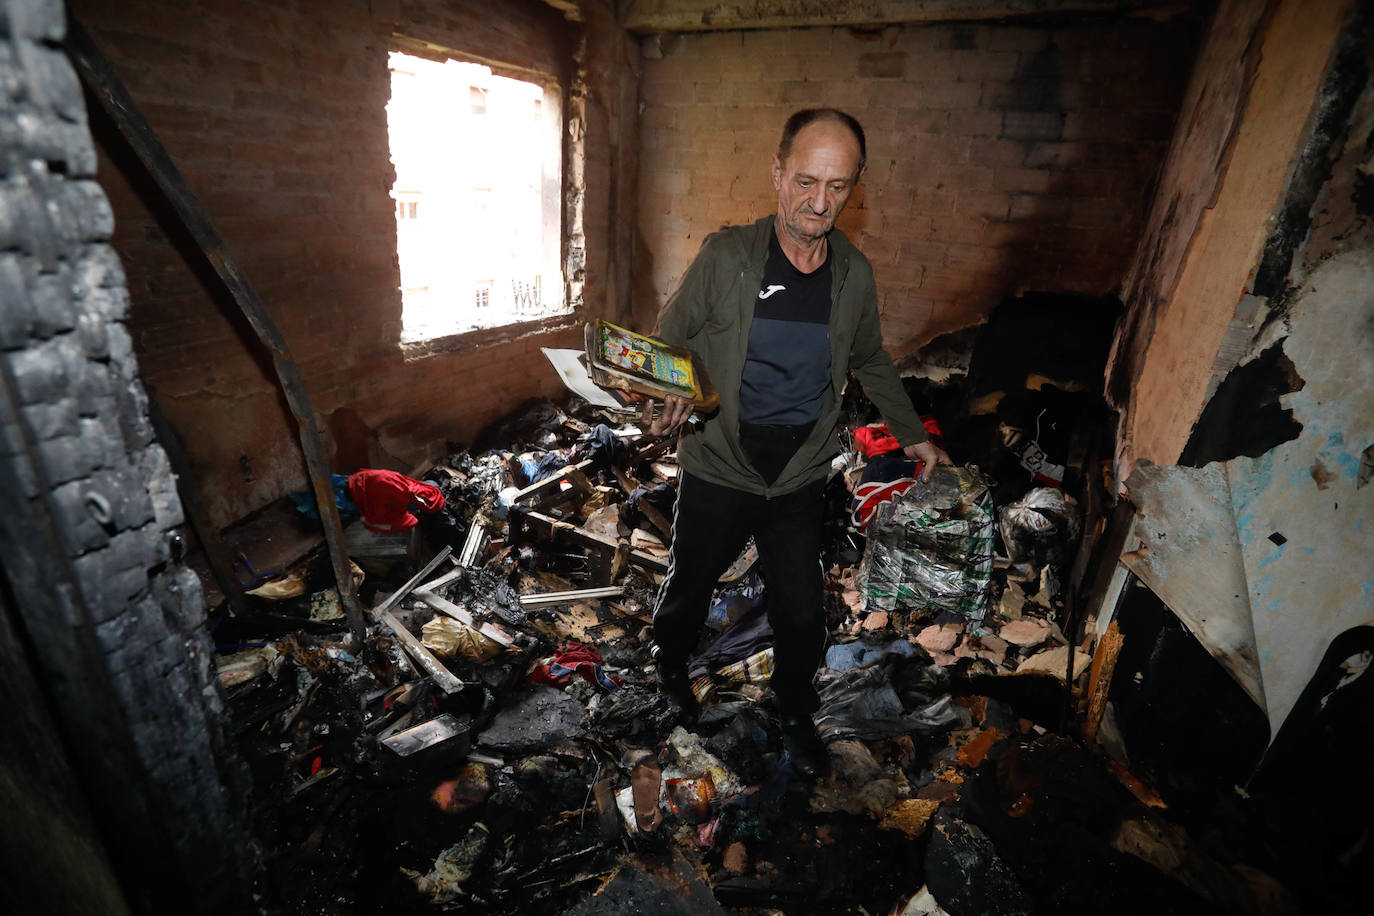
(386, 499)
(877, 440)
(874, 440)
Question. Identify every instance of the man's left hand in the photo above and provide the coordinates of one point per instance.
(929, 453)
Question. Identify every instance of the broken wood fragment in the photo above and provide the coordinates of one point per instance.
(545, 599)
(442, 677)
(440, 582)
(651, 452)
(657, 519)
(649, 511)
(472, 545)
(615, 563)
(114, 98)
(1100, 680)
(627, 483)
(574, 474)
(443, 605)
(1054, 662)
(315, 779)
(598, 542)
(413, 582)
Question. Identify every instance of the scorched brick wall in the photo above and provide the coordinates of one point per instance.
(1001, 158)
(275, 114)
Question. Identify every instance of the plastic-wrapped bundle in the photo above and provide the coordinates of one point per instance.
(930, 549)
(1041, 527)
(899, 696)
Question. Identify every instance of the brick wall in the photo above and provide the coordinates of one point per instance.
(275, 114)
(1001, 158)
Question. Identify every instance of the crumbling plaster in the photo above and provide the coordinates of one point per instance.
(1189, 555)
(1318, 583)
(1289, 539)
(1264, 559)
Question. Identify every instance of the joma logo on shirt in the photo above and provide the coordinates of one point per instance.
(772, 288)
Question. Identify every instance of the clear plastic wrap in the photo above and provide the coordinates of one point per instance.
(1042, 527)
(900, 696)
(930, 549)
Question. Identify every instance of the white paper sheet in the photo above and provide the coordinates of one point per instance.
(570, 369)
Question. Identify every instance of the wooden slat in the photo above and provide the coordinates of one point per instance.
(443, 678)
(647, 509)
(575, 474)
(596, 541)
(585, 594)
(472, 544)
(443, 605)
(395, 597)
(440, 582)
(1100, 679)
(655, 450)
(112, 96)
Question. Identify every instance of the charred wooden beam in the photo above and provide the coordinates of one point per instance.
(521, 518)
(114, 98)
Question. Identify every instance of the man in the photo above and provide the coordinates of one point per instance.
(780, 312)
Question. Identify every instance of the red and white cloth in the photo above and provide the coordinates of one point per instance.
(875, 441)
(574, 658)
(869, 496)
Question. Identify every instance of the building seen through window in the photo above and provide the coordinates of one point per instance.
(477, 193)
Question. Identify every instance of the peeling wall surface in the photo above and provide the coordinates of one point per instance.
(1190, 556)
(1300, 501)
(1319, 582)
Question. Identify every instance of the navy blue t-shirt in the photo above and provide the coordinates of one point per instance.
(787, 368)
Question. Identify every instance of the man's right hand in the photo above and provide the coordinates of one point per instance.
(675, 412)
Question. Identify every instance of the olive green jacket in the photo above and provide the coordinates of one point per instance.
(711, 313)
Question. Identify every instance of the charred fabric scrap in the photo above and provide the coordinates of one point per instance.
(497, 744)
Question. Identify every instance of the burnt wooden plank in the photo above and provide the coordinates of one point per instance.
(114, 98)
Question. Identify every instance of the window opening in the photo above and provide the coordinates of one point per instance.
(478, 192)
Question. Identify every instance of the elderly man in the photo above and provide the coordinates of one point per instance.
(780, 311)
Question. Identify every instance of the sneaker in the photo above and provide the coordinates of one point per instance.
(810, 759)
(677, 686)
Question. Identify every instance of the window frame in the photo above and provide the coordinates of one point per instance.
(554, 104)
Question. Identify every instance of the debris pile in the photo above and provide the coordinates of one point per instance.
(497, 745)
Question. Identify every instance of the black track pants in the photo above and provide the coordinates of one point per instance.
(711, 524)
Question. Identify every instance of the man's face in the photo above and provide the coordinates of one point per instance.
(815, 181)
